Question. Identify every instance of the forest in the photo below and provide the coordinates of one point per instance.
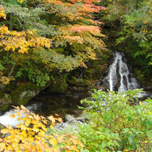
(52, 44)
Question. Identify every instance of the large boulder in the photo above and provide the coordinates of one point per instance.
(58, 86)
(24, 92)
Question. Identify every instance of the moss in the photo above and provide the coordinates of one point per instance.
(5, 102)
(2, 127)
(11, 86)
(59, 50)
(58, 86)
(23, 93)
(5, 107)
(79, 82)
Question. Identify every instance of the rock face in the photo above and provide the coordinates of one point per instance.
(24, 92)
(58, 86)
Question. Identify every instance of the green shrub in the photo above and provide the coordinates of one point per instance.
(116, 123)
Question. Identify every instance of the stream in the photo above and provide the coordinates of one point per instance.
(49, 104)
(119, 78)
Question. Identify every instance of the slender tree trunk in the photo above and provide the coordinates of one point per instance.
(11, 71)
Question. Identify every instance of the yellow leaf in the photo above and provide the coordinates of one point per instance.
(10, 147)
(12, 115)
(35, 129)
(51, 118)
(59, 119)
(4, 131)
(7, 48)
(21, 1)
(51, 127)
(23, 127)
(53, 141)
(37, 117)
(2, 146)
(44, 128)
(6, 150)
(18, 119)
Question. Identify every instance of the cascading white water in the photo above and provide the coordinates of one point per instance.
(7, 120)
(119, 77)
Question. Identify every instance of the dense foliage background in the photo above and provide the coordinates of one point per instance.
(128, 25)
(39, 38)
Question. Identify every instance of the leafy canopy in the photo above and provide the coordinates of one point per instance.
(36, 31)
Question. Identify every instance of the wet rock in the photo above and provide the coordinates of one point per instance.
(70, 119)
(83, 118)
(24, 92)
(66, 126)
(71, 123)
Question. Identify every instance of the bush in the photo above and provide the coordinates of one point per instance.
(31, 135)
(117, 123)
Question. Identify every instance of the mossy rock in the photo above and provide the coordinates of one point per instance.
(24, 92)
(2, 127)
(5, 102)
(58, 86)
(80, 82)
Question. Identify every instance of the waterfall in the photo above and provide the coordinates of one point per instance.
(119, 77)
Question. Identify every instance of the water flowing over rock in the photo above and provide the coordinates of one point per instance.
(7, 120)
(119, 77)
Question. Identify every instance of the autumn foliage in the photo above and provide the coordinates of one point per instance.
(2, 13)
(43, 36)
(31, 135)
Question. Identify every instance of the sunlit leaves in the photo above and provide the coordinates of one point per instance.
(31, 135)
(12, 116)
(58, 24)
(2, 13)
(4, 79)
(21, 1)
(21, 41)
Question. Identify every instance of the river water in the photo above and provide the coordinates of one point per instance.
(119, 78)
(49, 104)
